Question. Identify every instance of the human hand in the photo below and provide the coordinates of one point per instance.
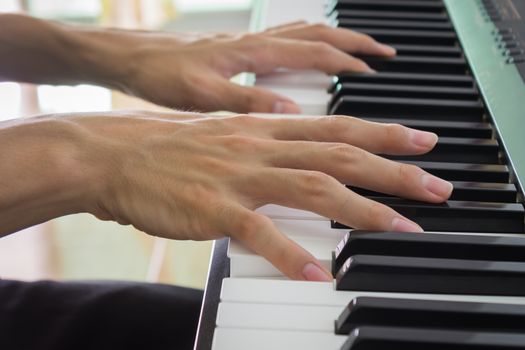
(202, 178)
(194, 73)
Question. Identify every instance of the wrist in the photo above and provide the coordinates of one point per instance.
(101, 57)
(45, 172)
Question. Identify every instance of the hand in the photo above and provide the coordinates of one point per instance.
(194, 74)
(200, 178)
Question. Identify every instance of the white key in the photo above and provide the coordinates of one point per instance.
(311, 101)
(315, 236)
(244, 339)
(287, 292)
(279, 212)
(297, 79)
(278, 317)
(284, 11)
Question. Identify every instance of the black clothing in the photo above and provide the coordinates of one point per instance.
(97, 315)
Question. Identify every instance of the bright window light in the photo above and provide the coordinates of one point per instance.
(81, 98)
(9, 100)
(211, 5)
(9, 6)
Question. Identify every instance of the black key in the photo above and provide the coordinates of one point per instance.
(429, 245)
(467, 191)
(458, 150)
(425, 51)
(413, 37)
(380, 273)
(410, 108)
(411, 91)
(389, 15)
(415, 64)
(466, 171)
(386, 5)
(359, 23)
(489, 317)
(458, 215)
(397, 338)
(443, 128)
(432, 80)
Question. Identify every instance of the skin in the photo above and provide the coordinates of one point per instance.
(187, 175)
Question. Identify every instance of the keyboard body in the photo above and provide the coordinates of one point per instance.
(248, 303)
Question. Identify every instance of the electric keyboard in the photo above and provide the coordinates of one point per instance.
(459, 72)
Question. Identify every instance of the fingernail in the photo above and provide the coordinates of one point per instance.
(436, 185)
(286, 107)
(403, 225)
(422, 138)
(312, 272)
(386, 49)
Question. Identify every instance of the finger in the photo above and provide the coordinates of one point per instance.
(243, 99)
(344, 39)
(285, 26)
(263, 54)
(357, 167)
(321, 193)
(382, 138)
(259, 234)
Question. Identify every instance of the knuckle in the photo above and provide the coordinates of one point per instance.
(345, 153)
(335, 124)
(375, 215)
(315, 183)
(395, 132)
(406, 173)
(360, 64)
(240, 143)
(250, 225)
(321, 29)
(251, 38)
(322, 48)
(364, 38)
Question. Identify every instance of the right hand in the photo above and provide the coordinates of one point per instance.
(200, 178)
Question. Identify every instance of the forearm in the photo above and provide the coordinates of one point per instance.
(44, 172)
(38, 51)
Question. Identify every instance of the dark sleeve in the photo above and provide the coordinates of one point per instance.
(97, 315)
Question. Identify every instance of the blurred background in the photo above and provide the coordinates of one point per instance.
(80, 246)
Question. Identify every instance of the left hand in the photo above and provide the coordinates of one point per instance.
(193, 72)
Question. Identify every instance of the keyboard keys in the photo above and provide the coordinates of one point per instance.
(359, 23)
(416, 64)
(459, 150)
(391, 6)
(425, 50)
(429, 245)
(288, 292)
(430, 314)
(412, 37)
(411, 108)
(432, 80)
(394, 338)
(467, 191)
(443, 128)
(458, 215)
(465, 171)
(340, 13)
(257, 339)
(431, 275)
(394, 90)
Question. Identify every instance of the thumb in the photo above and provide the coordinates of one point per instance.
(243, 99)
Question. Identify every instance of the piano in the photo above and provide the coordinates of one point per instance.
(459, 72)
